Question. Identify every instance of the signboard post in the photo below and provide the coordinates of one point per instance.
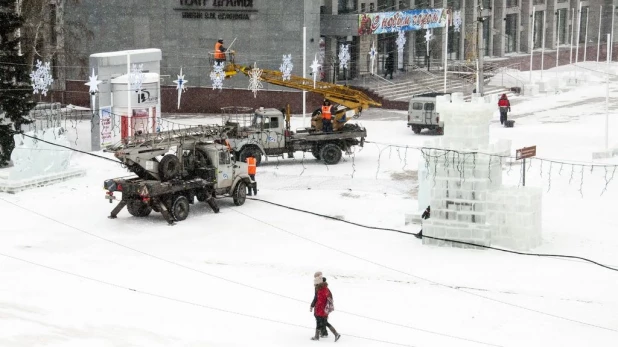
(524, 153)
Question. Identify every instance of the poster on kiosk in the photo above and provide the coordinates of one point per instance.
(139, 112)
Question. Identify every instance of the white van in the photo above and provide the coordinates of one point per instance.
(422, 113)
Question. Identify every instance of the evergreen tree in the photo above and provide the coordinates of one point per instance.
(15, 91)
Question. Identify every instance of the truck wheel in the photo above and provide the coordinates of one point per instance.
(254, 151)
(417, 130)
(330, 153)
(240, 193)
(201, 195)
(169, 167)
(138, 208)
(180, 208)
(316, 152)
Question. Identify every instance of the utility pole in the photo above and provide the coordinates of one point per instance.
(481, 51)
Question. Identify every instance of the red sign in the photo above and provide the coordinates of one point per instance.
(525, 152)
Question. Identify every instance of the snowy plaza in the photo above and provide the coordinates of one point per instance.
(73, 277)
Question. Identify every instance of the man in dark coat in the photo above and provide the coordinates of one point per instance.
(425, 215)
(389, 66)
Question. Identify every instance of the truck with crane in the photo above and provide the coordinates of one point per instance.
(174, 168)
(267, 132)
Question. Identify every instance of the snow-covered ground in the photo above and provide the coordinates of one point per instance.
(72, 277)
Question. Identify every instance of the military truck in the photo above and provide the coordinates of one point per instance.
(422, 113)
(173, 169)
(267, 133)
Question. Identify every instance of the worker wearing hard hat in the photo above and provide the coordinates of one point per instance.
(220, 51)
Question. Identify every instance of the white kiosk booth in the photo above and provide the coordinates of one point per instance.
(139, 111)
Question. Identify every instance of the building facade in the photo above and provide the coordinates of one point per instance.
(264, 30)
(260, 31)
(496, 28)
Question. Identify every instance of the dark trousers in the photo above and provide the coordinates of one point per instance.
(321, 324)
(254, 188)
(327, 126)
(389, 72)
(503, 113)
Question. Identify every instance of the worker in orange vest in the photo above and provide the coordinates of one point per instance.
(220, 51)
(327, 115)
(252, 166)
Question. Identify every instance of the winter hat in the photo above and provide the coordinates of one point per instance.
(317, 278)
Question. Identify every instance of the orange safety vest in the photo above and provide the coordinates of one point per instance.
(252, 162)
(326, 112)
(218, 53)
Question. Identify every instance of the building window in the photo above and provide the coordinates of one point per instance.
(421, 3)
(537, 31)
(511, 3)
(363, 7)
(454, 38)
(346, 6)
(582, 24)
(510, 32)
(560, 1)
(486, 34)
(454, 4)
(372, 7)
(539, 2)
(561, 26)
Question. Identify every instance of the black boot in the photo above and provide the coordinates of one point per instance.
(323, 332)
(317, 335)
(332, 330)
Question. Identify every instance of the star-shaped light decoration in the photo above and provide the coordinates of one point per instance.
(315, 68)
(372, 55)
(93, 83)
(428, 35)
(181, 86)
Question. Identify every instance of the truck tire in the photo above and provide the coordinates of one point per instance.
(250, 151)
(330, 153)
(180, 208)
(169, 167)
(315, 150)
(416, 129)
(138, 208)
(240, 193)
(201, 195)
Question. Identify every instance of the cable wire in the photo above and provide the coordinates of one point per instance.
(182, 301)
(426, 279)
(236, 282)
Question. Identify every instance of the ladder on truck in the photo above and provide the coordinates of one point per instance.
(170, 138)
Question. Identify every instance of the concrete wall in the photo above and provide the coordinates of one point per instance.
(270, 29)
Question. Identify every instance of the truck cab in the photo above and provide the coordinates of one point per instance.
(422, 114)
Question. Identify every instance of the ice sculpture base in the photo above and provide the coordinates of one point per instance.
(13, 186)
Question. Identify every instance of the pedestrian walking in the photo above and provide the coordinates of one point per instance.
(323, 306)
(389, 66)
(505, 106)
(251, 169)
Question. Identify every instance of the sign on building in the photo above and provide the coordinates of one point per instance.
(388, 22)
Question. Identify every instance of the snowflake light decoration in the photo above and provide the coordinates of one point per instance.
(401, 41)
(41, 78)
(315, 68)
(181, 86)
(286, 67)
(254, 79)
(457, 20)
(136, 77)
(344, 56)
(217, 75)
(428, 35)
(93, 83)
(372, 55)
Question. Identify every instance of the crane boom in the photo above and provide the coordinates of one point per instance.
(351, 99)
